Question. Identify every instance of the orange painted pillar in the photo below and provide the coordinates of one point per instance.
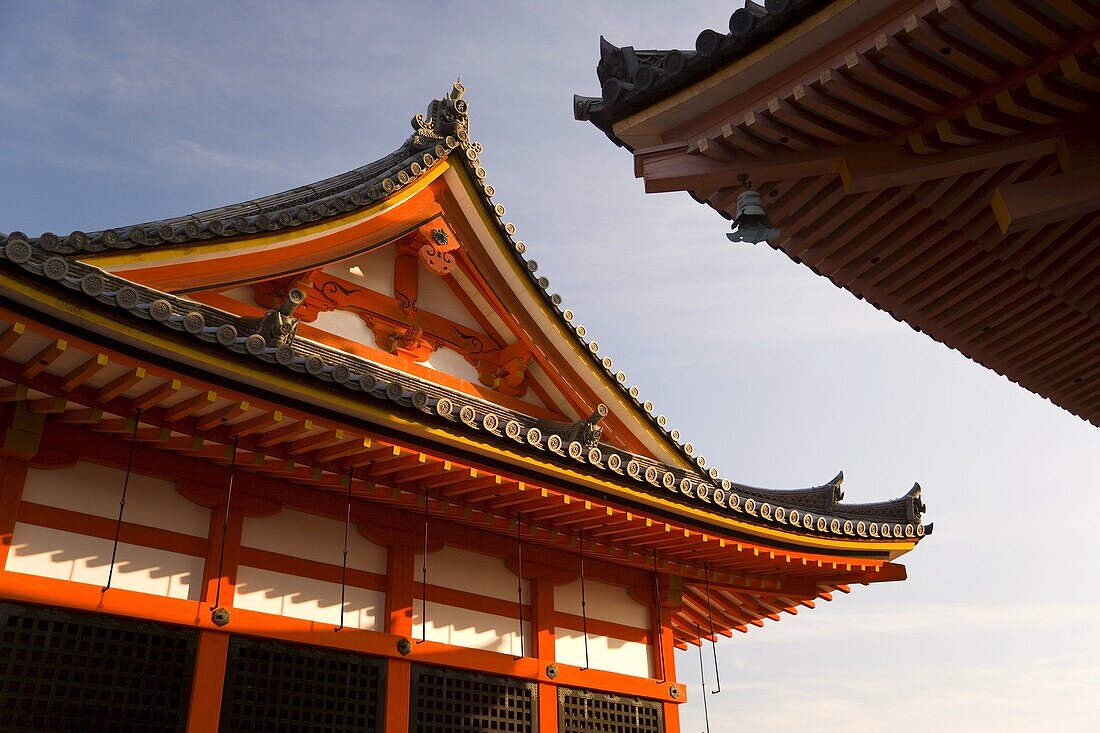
(399, 610)
(665, 667)
(13, 475)
(204, 710)
(227, 580)
(542, 636)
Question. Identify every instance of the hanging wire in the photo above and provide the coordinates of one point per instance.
(713, 637)
(225, 526)
(122, 501)
(424, 577)
(519, 581)
(660, 624)
(703, 679)
(344, 568)
(584, 612)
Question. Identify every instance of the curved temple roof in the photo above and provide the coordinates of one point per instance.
(440, 134)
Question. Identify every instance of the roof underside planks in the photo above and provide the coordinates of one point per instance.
(939, 162)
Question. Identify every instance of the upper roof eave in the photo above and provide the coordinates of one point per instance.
(633, 80)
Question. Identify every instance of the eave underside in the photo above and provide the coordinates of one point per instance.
(87, 394)
(945, 171)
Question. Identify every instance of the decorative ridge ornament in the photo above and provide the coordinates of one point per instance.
(277, 326)
(444, 118)
(587, 432)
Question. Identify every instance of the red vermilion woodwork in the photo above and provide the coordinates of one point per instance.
(435, 245)
(273, 293)
(104, 528)
(399, 590)
(401, 327)
(398, 686)
(13, 475)
(543, 624)
(230, 537)
(204, 710)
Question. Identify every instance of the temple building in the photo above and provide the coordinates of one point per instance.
(338, 459)
(938, 158)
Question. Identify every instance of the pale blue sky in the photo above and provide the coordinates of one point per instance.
(113, 113)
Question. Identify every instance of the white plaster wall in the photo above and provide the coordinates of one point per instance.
(373, 270)
(306, 598)
(93, 489)
(434, 295)
(472, 572)
(242, 294)
(53, 553)
(479, 302)
(451, 362)
(603, 601)
(346, 324)
(471, 629)
(533, 374)
(611, 655)
(309, 536)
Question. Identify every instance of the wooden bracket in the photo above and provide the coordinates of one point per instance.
(20, 431)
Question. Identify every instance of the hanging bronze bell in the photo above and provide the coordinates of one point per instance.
(752, 223)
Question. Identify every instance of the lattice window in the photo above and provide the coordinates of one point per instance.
(285, 687)
(447, 700)
(63, 671)
(594, 712)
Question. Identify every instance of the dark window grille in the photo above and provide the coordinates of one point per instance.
(445, 700)
(270, 686)
(582, 711)
(64, 671)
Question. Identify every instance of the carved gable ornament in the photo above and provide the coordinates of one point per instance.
(436, 249)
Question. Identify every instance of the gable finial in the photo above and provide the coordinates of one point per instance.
(445, 117)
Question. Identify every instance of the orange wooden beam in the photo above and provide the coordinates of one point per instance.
(48, 355)
(84, 372)
(1044, 201)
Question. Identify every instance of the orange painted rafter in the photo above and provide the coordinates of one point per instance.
(47, 355)
(84, 372)
(121, 384)
(155, 395)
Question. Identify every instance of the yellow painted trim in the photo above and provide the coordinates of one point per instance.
(358, 408)
(569, 338)
(153, 255)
